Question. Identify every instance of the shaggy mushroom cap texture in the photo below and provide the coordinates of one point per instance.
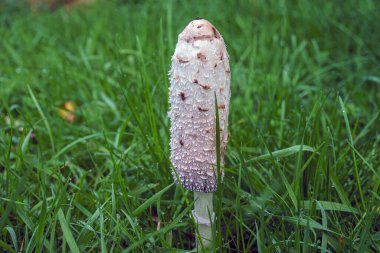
(199, 69)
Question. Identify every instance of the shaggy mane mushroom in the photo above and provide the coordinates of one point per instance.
(199, 71)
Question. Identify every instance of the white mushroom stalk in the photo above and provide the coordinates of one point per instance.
(199, 70)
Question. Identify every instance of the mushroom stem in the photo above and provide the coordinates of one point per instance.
(204, 217)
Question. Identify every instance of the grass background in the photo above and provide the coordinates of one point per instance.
(303, 160)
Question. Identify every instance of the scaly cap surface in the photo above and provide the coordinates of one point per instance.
(199, 69)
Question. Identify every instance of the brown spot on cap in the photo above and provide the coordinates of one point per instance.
(201, 56)
(182, 95)
(216, 35)
(202, 109)
(181, 60)
(222, 106)
(181, 142)
(205, 86)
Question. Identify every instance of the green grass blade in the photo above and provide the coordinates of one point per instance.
(25, 142)
(364, 235)
(103, 244)
(5, 246)
(324, 224)
(284, 152)
(40, 238)
(360, 189)
(151, 200)
(67, 232)
(289, 189)
(219, 191)
(13, 236)
(330, 206)
(375, 173)
(259, 239)
(174, 224)
(44, 119)
(72, 144)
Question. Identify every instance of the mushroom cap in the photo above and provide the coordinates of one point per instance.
(199, 29)
(199, 69)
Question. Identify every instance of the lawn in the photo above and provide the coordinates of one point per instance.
(84, 131)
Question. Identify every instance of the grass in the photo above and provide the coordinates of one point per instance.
(302, 171)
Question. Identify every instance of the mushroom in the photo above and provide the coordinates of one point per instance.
(199, 71)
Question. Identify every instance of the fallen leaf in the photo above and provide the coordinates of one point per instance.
(67, 111)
